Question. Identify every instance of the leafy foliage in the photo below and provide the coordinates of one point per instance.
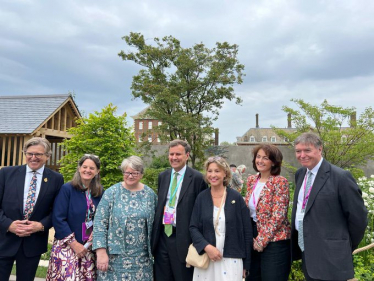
(102, 134)
(183, 84)
(344, 146)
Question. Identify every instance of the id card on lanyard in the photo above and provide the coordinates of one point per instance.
(87, 225)
(169, 211)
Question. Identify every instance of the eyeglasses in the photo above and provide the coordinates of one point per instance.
(37, 155)
(134, 174)
(91, 155)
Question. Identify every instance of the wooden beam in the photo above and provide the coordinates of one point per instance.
(55, 133)
(8, 145)
(3, 152)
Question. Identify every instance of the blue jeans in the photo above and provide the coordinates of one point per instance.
(273, 264)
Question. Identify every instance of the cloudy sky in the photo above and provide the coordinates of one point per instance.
(313, 50)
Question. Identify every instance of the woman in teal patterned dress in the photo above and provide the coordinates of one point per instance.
(123, 225)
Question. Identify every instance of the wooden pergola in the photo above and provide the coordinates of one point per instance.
(24, 117)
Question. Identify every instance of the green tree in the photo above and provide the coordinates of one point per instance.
(347, 142)
(102, 134)
(185, 87)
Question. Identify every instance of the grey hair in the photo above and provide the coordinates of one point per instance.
(39, 141)
(309, 138)
(133, 162)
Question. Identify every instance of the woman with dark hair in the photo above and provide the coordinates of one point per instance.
(268, 198)
(73, 213)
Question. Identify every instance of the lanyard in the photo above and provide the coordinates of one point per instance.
(89, 202)
(176, 188)
(253, 191)
(306, 197)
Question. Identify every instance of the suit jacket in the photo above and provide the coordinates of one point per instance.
(239, 234)
(193, 184)
(12, 181)
(334, 223)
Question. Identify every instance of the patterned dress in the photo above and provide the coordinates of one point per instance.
(123, 225)
(227, 269)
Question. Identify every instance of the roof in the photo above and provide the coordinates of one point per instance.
(142, 114)
(259, 133)
(23, 114)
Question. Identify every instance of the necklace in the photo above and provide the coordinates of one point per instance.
(217, 196)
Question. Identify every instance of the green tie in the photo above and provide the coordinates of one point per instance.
(169, 227)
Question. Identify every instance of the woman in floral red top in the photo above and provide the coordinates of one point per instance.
(267, 198)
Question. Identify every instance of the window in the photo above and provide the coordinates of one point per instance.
(139, 138)
(159, 123)
(149, 125)
(252, 139)
(149, 138)
(158, 139)
(140, 125)
(273, 139)
(264, 139)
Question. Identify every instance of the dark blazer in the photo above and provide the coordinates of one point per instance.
(69, 212)
(193, 184)
(12, 181)
(239, 234)
(334, 223)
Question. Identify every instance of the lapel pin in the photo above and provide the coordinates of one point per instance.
(45, 180)
(233, 202)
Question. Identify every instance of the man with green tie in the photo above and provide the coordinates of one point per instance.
(177, 190)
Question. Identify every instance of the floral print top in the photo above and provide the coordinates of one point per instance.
(271, 209)
(113, 217)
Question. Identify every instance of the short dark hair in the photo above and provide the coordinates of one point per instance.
(232, 166)
(274, 154)
(95, 185)
(183, 143)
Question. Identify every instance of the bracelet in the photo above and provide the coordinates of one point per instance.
(42, 227)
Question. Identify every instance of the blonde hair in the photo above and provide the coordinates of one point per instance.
(222, 163)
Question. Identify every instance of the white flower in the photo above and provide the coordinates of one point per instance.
(372, 176)
(364, 195)
(371, 189)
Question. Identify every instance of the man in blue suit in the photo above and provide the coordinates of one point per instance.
(329, 217)
(27, 194)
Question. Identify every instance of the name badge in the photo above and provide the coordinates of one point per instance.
(169, 215)
(89, 224)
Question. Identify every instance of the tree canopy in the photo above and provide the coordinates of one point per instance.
(185, 87)
(348, 142)
(102, 134)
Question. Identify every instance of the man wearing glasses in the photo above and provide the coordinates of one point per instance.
(177, 190)
(27, 194)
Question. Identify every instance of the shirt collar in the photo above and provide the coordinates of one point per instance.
(39, 171)
(316, 168)
(181, 171)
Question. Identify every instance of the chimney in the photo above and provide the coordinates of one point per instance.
(216, 134)
(353, 120)
(257, 126)
(289, 126)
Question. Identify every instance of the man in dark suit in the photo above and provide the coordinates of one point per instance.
(177, 190)
(27, 194)
(329, 217)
